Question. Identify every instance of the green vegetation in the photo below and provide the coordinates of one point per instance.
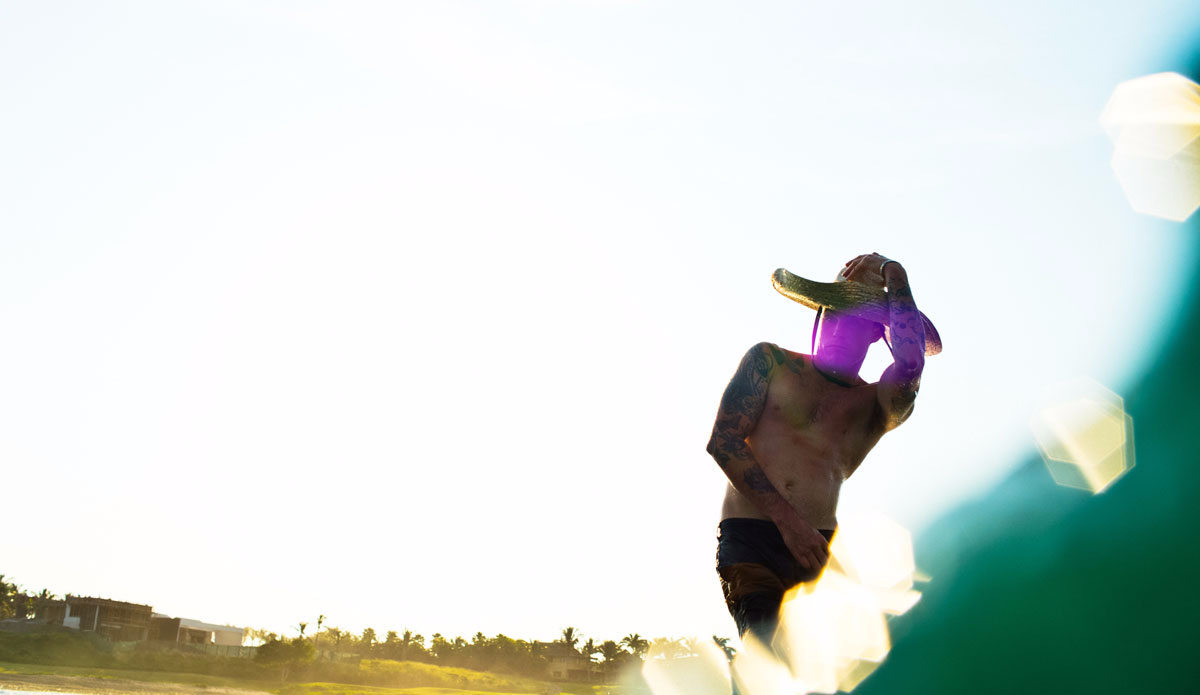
(500, 654)
(334, 661)
(313, 688)
(342, 689)
(16, 602)
(57, 647)
(287, 667)
(133, 675)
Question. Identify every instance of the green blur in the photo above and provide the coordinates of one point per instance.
(1043, 589)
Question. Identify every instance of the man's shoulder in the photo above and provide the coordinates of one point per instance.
(777, 356)
(763, 353)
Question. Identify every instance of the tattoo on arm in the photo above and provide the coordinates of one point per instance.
(742, 404)
(907, 330)
(756, 479)
(908, 348)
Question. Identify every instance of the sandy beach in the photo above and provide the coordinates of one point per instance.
(87, 685)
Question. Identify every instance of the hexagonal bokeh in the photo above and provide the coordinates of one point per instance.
(1154, 123)
(877, 552)
(1085, 436)
(1167, 188)
(834, 635)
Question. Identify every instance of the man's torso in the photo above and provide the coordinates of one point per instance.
(813, 434)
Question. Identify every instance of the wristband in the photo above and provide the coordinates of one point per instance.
(884, 265)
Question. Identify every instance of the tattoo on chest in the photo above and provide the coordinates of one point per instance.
(780, 357)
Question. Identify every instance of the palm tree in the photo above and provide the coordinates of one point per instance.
(261, 636)
(8, 598)
(405, 641)
(438, 646)
(338, 635)
(317, 636)
(723, 643)
(589, 649)
(635, 644)
(569, 637)
(612, 653)
(668, 648)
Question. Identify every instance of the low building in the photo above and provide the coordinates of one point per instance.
(565, 663)
(188, 631)
(132, 622)
(117, 620)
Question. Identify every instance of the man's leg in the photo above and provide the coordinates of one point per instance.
(752, 595)
(756, 570)
(753, 561)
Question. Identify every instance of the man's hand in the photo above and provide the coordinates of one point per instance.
(806, 543)
(865, 269)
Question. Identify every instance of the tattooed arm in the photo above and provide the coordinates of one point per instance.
(900, 382)
(741, 406)
(897, 389)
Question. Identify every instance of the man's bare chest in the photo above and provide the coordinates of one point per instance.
(803, 399)
(808, 420)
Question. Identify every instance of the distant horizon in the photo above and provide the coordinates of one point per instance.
(327, 626)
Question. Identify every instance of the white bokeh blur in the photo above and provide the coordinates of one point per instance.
(1154, 123)
(1085, 436)
(832, 633)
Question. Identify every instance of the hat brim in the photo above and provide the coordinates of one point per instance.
(864, 301)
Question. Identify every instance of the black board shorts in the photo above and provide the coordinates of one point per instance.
(756, 570)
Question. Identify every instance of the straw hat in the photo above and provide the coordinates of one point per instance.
(863, 301)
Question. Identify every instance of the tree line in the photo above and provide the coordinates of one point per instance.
(501, 654)
(17, 602)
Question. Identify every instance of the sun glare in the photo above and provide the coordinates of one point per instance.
(832, 633)
(702, 670)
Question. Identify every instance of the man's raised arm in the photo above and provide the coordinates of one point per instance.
(741, 406)
(900, 382)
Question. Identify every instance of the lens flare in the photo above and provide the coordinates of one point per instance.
(876, 552)
(1154, 123)
(833, 635)
(760, 672)
(699, 667)
(1085, 437)
(833, 632)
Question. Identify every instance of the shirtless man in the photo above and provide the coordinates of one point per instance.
(791, 427)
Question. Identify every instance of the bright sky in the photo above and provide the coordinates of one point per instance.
(417, 314)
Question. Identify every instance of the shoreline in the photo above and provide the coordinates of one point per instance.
(92, 685)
